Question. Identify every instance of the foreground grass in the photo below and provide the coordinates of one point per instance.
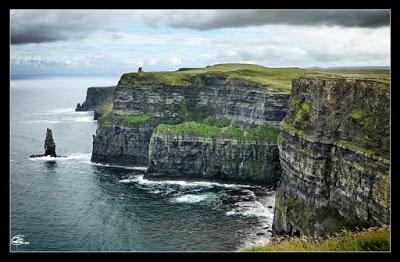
(265, 132)
(373, 239)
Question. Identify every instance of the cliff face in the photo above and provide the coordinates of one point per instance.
(243, 103)
(123, 144)
(334, 151)
(192, 156)
(95, 97)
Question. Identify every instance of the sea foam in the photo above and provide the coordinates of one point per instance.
(143, 181)
(191, 198)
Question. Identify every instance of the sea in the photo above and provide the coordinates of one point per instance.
(70, 204)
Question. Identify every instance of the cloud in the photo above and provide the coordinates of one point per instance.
(205, 20)
(39, 26)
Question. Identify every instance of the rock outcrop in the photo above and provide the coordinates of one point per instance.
(123, 144)
(49, 146)
(334, 151)
(192, 156)
(95, 97)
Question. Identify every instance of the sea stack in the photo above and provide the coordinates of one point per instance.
(49, 145)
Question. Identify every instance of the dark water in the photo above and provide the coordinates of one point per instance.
(71, 204)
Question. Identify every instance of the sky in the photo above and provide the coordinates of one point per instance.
(92, 42)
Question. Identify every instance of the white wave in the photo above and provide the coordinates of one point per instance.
(141, 180)
(86, 119)
(138, 168)
(63, 110)
(249, 193)
(79, 156)
(250, 209)
(190, 198)
(47, 158)
(83, 156)
(45, 121)
(155, 191)
(127, 180)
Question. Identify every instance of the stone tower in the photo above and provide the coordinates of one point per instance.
(49, 145)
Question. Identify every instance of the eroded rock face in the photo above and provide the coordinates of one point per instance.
(123, 145)
(245, 103)
(96, 96)
(334, 151)
(189, 156)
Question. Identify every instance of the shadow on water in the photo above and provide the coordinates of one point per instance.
(51, 165)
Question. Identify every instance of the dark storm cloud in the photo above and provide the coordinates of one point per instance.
(242, 18)
(38, 26)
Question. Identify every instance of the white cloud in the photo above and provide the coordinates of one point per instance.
(273, 46)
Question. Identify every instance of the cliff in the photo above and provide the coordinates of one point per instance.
(334, 151)
(95, 97)
(247, 104)
(123, 144)
(240, 94)
(191, 150)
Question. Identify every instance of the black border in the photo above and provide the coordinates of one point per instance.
(340, 4)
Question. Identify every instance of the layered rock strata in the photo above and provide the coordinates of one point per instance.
(334, 151)
(190, 156)
(244, 103)
(123, 144)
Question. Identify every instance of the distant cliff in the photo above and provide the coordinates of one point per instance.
(95, 97)
(334, 151)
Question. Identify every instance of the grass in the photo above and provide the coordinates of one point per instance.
(265, 132)
(357, 115)
(213, 121)
(109, 118)
(382, 75)
(302, 112)
(105, 108)
(272, 79)
(106, 119)
(372, 239)
(134, 119)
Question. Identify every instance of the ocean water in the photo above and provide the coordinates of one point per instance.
(71, 204)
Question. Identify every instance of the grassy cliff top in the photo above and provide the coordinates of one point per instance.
(273, 79)
(373, 239)
(264, 133)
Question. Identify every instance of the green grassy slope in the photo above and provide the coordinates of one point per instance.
(265, 132)
(373, 239)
